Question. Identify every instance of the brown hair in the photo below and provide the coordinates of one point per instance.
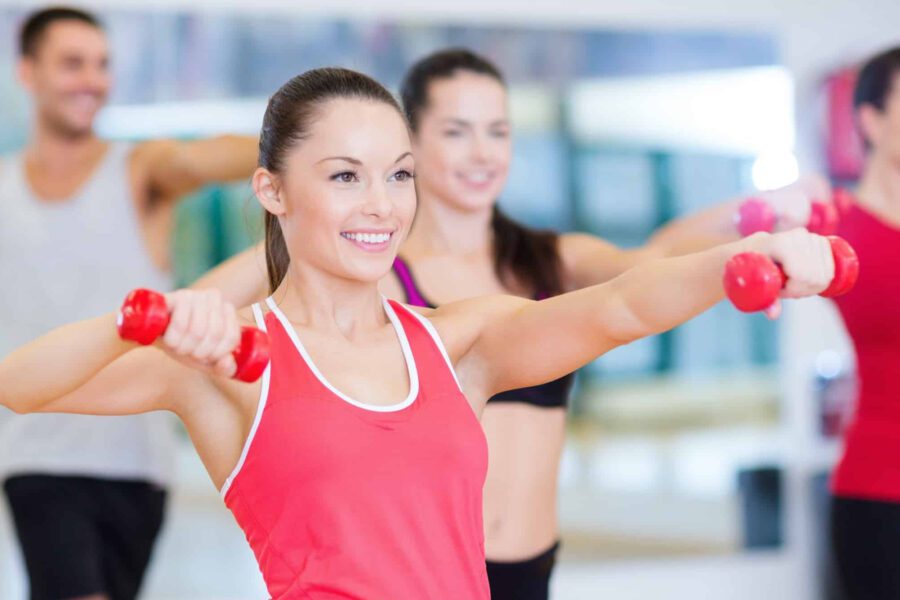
(875, 81)
(287, 120)
(529, 256)
(38, 22)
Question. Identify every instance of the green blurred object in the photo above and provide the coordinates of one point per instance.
(212, 225)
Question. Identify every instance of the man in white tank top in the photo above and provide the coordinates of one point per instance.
(82, 221)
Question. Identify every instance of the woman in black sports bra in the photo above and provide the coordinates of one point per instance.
(462, 245)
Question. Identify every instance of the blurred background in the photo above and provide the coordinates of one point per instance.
(696, 461)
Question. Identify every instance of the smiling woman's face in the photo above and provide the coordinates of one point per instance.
(462, 141)
(345, 197)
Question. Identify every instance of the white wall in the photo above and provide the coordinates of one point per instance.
(815, 35)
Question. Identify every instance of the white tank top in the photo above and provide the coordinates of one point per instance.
(62, 262)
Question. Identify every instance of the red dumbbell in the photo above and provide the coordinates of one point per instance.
(752, 281)
(755, 215)
(144, 317)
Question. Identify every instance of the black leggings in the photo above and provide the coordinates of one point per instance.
(527, 579)
(865, 536)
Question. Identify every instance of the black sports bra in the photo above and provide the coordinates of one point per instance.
(549, 395)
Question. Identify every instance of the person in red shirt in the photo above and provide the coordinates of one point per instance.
(356, 465)
(865, 514)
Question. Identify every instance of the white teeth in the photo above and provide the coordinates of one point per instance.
(368, 238)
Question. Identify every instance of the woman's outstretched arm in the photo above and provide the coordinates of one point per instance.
(502, 342)
(589, 260)
(85, 367)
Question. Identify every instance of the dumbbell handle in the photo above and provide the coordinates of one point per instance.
(752, 280)
(144, 317)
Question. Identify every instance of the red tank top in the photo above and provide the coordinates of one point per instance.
(870, 465)
(344, 500)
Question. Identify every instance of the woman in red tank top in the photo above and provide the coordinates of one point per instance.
(355, 466)
(865, 515)
(463, 246)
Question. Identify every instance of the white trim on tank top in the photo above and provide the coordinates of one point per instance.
(404, 345)
(435, 336)
(263, 396)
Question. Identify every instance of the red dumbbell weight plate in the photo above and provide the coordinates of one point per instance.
(755, 215)
(823, 218)
(143, 317)
(251, 355)
(846, 267)
(752, 281)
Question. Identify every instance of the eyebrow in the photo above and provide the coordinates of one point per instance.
(356, 161)
(344, 158)
(453, 121)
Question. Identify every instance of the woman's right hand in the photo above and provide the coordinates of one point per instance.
(806, 259)
(793, 203)
(203, 331)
